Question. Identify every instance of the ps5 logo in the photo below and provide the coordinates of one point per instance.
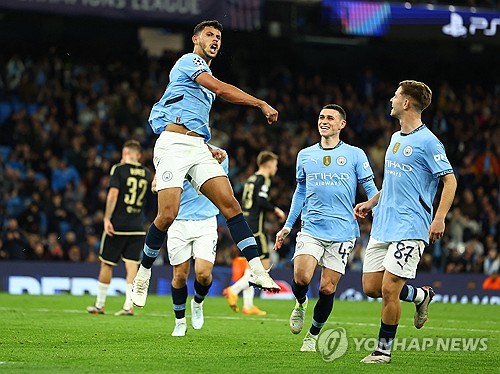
(457, 29)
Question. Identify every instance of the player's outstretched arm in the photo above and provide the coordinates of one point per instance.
(236, 96)
(361, 210)
(436, 230)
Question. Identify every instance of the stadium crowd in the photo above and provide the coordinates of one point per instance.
(63, 125)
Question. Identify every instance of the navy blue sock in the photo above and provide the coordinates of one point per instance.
(386, 337)
(242, 236)
(152, 245)
(300, 292)
(408, 293)
(179, 297)
(200, 291)
(322, 311)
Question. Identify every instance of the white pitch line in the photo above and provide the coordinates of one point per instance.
(267, 319)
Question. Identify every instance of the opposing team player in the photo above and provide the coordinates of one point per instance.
(123, 235)
(255, 204)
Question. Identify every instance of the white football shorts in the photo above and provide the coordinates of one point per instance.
(398, 258)
(178, 155)
(196, 239)
(329, 254)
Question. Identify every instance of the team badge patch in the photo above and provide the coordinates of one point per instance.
(198, 61)
(396, 147)
(408, 151)
(167, 176)
(341, 160)
(327, 160)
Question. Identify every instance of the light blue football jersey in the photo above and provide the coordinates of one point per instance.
(414, 163)
(331, 177)
(185, 101)
(197, 207)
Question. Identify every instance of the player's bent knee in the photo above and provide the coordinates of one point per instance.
(302, 279)
(164, 220)
(230, 212)
(180, 279)
(371, 292)
(328, 289)
(204, 277)
(390, 292)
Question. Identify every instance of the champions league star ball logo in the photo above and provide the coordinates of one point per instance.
(198, 61)
(332, 343)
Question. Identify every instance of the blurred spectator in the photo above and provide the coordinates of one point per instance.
(38, 252)
(62, 175)
(492, 262)
(14, 241)
(54, 246)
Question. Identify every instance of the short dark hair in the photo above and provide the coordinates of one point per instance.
(133, 145)
(266, 156)
(212, 23)
(338, 108)
(418, 91)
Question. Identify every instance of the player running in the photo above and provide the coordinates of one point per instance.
(328, 174)
(415, 162)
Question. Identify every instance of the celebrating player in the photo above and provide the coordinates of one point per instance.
(414, 163)
(328, 174)
(181, 119)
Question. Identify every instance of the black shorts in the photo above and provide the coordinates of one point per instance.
(262, 246)
(127, 247)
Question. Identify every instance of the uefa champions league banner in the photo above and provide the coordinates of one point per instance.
(51, 278)
(233, 14)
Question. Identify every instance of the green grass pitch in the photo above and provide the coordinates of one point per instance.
(54, 334)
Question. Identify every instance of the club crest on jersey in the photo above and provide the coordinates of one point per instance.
(341, 160)
(327, 160)
(408, 151)
(166, 176)
(396, 147)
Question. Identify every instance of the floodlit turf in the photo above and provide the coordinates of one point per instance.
(42, 334)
